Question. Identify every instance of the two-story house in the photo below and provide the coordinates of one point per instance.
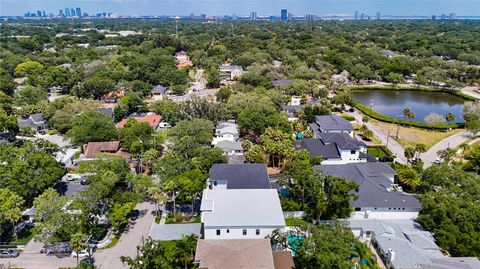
(240, 213)
(230, 72)
(239, 176)
(34, 122)
(378, 196)
(331, 124)
(226, 131)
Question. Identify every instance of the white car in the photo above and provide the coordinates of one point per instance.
(81, 254)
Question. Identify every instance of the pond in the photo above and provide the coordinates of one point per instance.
(392, 102)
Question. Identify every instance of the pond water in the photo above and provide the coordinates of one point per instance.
(391, 103)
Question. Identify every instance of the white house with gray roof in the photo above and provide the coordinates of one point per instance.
(241, 213)
(403, 244)
(331, 124)
(226, 131)
(34, 122)
(378, 196)
(230, 148)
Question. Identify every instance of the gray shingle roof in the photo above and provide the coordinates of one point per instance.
(69, 188)
(242, 176)
(373, 180)
(453, 263)
(159, 89)
(37, 118)
(343, 141)
(412, 245)
(317, 148)
(333, 122)
(229, 145)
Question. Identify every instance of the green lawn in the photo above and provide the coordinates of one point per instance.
(295, 222)
(377, 152)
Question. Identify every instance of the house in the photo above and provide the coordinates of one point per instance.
(403, 244)
(234, 254)
(92, 149)
(67, 156)
(292, 111)
(335, 148)
(378, 196)
(158, 90)
(240, 254)
(107, 111)
(181, 56)
(230, 147)
(151, 118)
(112, 97)
(240, 213)
(230, 72)
(331, 124)
(226, 131)
(34, 122)
(239, 176)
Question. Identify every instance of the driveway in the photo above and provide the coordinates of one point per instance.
(450, 142)
(127, 245)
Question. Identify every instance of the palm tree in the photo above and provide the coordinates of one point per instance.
(186, 248)
(156, 195)
(464, 147)
(78, 243)
(409, 152)
(450, 117)
(408, 113)
(171, 188)
(361, 251)
(420, 148)
(368, 134)
(409, 177)
(13, 212)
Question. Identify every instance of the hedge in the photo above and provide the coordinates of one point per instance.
(423, 89)
(375, 115)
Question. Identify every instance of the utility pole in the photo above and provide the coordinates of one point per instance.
(177, 18)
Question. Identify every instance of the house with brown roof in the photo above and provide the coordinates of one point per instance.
(92, 149)
(151, 118)
(240, 254)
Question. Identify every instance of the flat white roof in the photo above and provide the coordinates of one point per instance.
(242, 207)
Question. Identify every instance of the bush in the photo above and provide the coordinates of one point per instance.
(373, 114)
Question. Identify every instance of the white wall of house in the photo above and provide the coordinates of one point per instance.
(237, 232)
(218, 184)
(224, 137)
(348, 155)
(396, 213)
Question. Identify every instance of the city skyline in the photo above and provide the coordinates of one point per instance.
(244, 8)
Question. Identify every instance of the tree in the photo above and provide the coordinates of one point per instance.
(30, 95)
(255, 118)
(170, 111)
(94, 87)
(408, 113)
(464, 147)
(409, 177)
(78, 242)
(409, 152)
(278, 145)
(136, 137)
(187, 136)
(91, 126)
(365, 119)
(434, 119)
(223, 94)
(256, 154)
(394, 78)
(10, 208)
(450, 117)
(446, 155)
(62, 111)
(28, 68)
(119, 214)
(155, 254)
(420, 148)
(213, 78)
(368, 134)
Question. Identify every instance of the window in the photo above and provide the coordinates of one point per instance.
(244, 232)
(218, 232)
(357, 208)
(257, 231)
(228, 231)
(215, 183)
(353, 151)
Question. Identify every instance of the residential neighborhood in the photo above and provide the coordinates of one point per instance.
(238, 142)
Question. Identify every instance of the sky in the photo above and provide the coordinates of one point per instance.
(244, 7)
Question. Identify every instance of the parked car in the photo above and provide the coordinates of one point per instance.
(82, 254)
(9, 253)
(61, 249)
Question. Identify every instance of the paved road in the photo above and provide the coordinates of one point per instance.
(127, 245)
(450, 142)
(393, 145)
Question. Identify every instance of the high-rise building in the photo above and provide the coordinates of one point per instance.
(377, 16)
(356, 15)
(39, 13)
(283, 15)
(72, 12)
(78, 11)
(253, 15)
(310, 17)
(443, 17)
(452, 16)
(44, 14)
(362, 16)
(434, 17)
(60, 13)
(67, 12)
